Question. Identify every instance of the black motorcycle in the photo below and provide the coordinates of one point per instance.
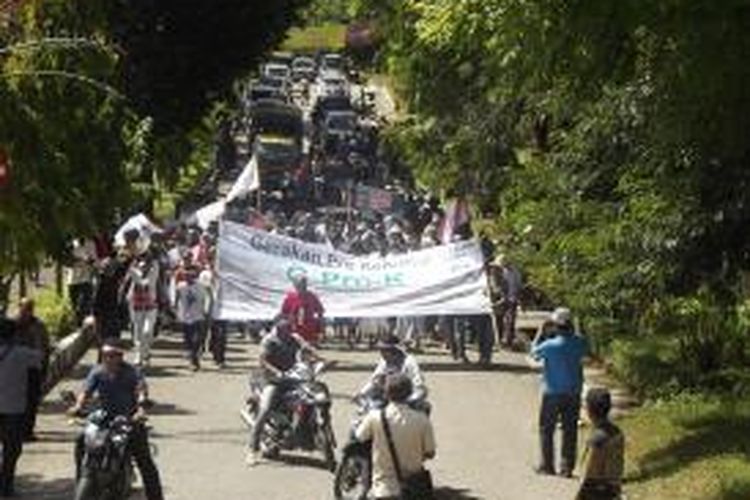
(301, 419)
(353, 478)
(106, 469)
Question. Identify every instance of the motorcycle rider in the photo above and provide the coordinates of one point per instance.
(395, 360)
(122, 390)
(279, 351)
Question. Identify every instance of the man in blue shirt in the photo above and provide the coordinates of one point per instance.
(122, 391)
(562, 382)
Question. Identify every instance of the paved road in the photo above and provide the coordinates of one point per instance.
(484, 423)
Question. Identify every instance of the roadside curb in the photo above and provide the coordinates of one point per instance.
(66, 355)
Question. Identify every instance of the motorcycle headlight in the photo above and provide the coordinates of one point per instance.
(95, 437)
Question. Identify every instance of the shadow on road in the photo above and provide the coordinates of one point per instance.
(300, 461)
(448, 493)
(34, 486)
(447, 367)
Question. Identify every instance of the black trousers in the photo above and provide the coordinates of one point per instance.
(218, 341)
(33, 398)
(141, 452)
(565, 408)
(11, 436)
(81, 298)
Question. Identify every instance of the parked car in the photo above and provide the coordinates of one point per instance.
(272, 70)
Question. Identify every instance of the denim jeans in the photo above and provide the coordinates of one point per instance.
(566, 409)
(268, 399)
(193, 339)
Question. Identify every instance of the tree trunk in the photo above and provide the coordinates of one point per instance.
(23, 288)
(59, 279)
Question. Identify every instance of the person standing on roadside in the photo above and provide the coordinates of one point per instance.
(604, 458)
(562, 381)
(15, 362)
(400, 450)
(305, 311)
(507, 285)
(32, 333)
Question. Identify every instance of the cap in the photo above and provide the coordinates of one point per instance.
(561, 316)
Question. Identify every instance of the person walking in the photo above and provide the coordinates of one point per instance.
(142, 282)
(107, 311)
(191, 303)
(604, 458)
(32, 333)
(81, 278)
(305, 311)
(402, 440)
(15, 362)
(562, 380)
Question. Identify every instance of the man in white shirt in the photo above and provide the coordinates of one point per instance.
(142, 296)
(394, 360)
(412, 435)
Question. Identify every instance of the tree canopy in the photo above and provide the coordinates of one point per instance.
(607, 142)
(98, 97)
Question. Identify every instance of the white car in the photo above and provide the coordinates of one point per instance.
(274, 70)
(333, 83)
(332, 62)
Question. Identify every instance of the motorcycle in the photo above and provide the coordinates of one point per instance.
(106, 469)
(300, 419)
(353, 477)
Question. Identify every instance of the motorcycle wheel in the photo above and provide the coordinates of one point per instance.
(352, 481)
(85, 488)
(327, 443)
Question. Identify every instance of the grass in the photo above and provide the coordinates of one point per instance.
(56, 312)
(329, 36)
(689, 448)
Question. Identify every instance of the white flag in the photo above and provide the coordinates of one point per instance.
(247, 182)
(208, 214)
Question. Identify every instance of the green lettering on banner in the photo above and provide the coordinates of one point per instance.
(394, 279)
(330, 278)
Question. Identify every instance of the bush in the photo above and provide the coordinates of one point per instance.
(648, 365)
(56, 312)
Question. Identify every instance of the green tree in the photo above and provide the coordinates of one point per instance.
(608, 136)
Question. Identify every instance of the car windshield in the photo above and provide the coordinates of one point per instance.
(333, 62)
(277, 71)
(303, 64)
(334, 82)
(342, 122)
(276, 83)
(276, 151)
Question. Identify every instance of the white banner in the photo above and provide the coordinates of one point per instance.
(256, 268)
